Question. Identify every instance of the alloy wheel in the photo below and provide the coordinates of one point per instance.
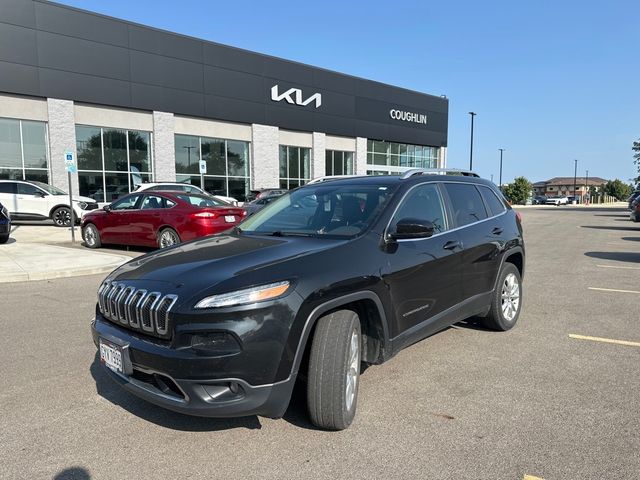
(510, 297)
(62, 217)
(168, 238)
(351, 382)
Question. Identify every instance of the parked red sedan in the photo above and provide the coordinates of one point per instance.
(158, 219)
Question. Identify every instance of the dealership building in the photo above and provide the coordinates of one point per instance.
(138, 104)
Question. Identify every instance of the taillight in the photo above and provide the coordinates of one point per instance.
(205, 215)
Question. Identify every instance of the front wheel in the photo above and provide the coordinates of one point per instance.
(167, 238)
(91, 236)
(4, 238)
(334, 370)
(61, 217)
(506, 303)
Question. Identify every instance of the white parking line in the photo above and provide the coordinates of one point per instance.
(613, 290)
(604, 340)
(618, 266)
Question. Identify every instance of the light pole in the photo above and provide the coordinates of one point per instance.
(500, 184)
(586, 187)
(473, 114)
(575, 176)
(188, 156)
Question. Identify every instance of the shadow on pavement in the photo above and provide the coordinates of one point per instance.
(631, 257)
(73, 473)
(631, 239)
(624, 215)
(10, 241)
(111, 391)
(602, 227)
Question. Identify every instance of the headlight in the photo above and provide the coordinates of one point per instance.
(245, 296)
(82, 205)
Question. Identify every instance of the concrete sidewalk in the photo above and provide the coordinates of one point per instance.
(29, 255)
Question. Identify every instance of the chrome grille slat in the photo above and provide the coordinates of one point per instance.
(138, 309)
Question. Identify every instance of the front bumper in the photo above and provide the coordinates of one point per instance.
(151, 373)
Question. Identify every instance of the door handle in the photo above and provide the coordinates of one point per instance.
(452, 245)
(497, 231)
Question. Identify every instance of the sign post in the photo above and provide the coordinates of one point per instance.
(203, 171)
(71, 168)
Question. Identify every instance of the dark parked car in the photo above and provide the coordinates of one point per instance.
(324, 278)
(632, 198)
(5, 224)
(635, 211)
(158, 219)
(265, 192)
(539, 200)
(258, 204)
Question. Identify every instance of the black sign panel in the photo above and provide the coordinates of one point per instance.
(62, 52)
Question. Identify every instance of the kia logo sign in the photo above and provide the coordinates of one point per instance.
(408, 116)
(294, 97)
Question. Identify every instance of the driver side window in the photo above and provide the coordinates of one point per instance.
(126, 203)
(423, 203)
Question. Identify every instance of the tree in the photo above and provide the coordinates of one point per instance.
(518, 191)
(617, 188)
(636, 156)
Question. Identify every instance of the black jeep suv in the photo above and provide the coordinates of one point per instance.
(326, 277)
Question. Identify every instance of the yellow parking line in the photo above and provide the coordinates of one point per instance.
(605, 340)
(613, 290)
(618, 266)
(531, 477)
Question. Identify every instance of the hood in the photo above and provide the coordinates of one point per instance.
(204, 263)
(78, 198)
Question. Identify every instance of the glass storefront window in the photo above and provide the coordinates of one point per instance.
(295, 166)
(111, 161)
(338, 163)
(23, 150)
(398, 157)
(227, 164)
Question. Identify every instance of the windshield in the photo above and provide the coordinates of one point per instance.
(324, 209)
(50, 188)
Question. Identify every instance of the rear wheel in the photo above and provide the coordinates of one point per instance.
(62, 217)
(168, 237)
(4, 238)
(507, 300)
(91, 236)
(334, 370)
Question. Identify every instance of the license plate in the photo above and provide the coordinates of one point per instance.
(229, 218)
(111, 356)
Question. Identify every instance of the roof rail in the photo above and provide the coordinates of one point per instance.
(438, 171)
(328, 178)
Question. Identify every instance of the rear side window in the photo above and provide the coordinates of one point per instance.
(154, 202)
(26, 189)
(7, 187)
(496, 206)
(199, 201)
(466, 202)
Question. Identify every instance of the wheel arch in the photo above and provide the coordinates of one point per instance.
(54, 208)
(373, 323)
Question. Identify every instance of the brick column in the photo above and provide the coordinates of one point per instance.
(318, 155)
(62, 138)
(360, 167)
(265, 160)
(164, 147)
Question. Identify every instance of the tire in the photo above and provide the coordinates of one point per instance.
(168, 237)
(504, 317)
(4, 239)
(61, 217)
(91, 236)
(334, 370)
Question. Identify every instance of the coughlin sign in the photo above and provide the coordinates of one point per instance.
(408, 116)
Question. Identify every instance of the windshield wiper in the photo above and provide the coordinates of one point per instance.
(280, 233)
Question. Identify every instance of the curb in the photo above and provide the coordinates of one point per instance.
(37, 276)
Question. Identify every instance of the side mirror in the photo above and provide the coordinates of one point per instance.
(106, 208)
(408, 228)
(39, 194)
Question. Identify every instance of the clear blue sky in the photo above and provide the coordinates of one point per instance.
(550, 81)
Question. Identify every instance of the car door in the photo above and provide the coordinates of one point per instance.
(116, 224)
(423, 275)
(481, 237)
(146, 221)
(8, 196)
(32, 201)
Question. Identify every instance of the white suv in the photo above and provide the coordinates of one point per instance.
(181, 187)
(38, 201)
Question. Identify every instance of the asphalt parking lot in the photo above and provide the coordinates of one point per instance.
(464, 404)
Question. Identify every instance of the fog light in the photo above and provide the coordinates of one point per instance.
(220, 343)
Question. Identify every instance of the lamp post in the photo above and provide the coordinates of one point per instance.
(188, 156)
(575, 176)
(473, 114)
(500, 181)
(586, 187)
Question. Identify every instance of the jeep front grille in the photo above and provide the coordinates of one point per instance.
(138, 309)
